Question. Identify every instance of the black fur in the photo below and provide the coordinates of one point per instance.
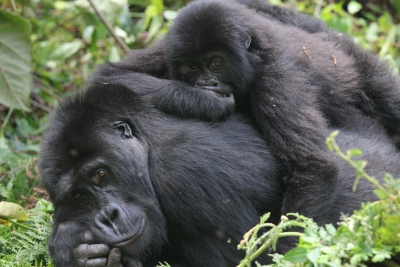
(296, 85)
(114, 165)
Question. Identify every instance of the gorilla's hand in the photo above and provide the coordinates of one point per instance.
(192, 102)
(100, 255)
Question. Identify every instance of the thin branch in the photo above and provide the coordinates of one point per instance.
(44, 88)
(109, 27)
(317, 9)
(39, 105)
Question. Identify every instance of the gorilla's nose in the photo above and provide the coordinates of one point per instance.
(207, 83)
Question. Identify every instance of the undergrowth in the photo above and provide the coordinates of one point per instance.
(24, 244)
(370, 235)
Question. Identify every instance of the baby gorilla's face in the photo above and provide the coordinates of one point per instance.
(208, 72)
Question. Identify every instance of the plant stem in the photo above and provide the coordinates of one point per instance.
(10, 111)
(20, 224)
(372, 180)
(109, 27)
(264, 246)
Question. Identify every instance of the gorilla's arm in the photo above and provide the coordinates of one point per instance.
(149, 61)
(169, 96)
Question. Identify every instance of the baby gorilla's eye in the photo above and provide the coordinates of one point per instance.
(192, 67)
(99, 174)
(216, 63)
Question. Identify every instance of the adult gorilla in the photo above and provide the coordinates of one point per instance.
(134, 186)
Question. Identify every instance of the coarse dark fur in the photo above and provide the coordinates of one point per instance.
(295, 84)
(132, 185)
(286, 16)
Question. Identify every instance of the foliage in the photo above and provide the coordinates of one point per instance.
(371, 234)
(15, 60)
(25, 243)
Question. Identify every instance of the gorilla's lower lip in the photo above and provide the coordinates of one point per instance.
(133, 236)
(218, 91)
(223, 95)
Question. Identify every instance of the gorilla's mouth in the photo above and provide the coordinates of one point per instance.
(129, 239)
(220, 93)
(223, 95)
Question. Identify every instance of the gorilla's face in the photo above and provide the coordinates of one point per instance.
(211, 52)
(101, 182)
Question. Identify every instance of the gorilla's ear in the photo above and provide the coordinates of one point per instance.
(123, 128)
(248, 41)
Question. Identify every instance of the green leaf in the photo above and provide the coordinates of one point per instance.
(265, 217)
(12, 211)
(155, 25)
(372, 32)
(313, 254)
(296, 255)
(380, 194)
(114, 56)
(169, 15)
(158, 4)
(354, 152)
(66, 50)
(380, 256)
(15, 61)
(353, 7)
(322, 232)
(331, 229)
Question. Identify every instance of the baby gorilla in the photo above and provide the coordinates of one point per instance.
(295, 84)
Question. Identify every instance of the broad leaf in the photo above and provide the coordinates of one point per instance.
(15, 61)
(11, 210)
(296, 255)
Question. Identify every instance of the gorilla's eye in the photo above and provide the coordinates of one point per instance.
(99, 174)
(216, 63)
(76, 196)
(192, 67)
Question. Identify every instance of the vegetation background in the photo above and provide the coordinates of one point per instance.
(49, 48)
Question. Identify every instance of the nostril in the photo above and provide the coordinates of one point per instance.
(216, 84)
(106, 222)
(108, 218)
(114, 215)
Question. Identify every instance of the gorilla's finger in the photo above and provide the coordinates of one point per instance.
(99, 262)
(87, 251)
(114, 259)
(86, 237)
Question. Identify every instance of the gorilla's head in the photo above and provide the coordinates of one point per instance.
(94, 166)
